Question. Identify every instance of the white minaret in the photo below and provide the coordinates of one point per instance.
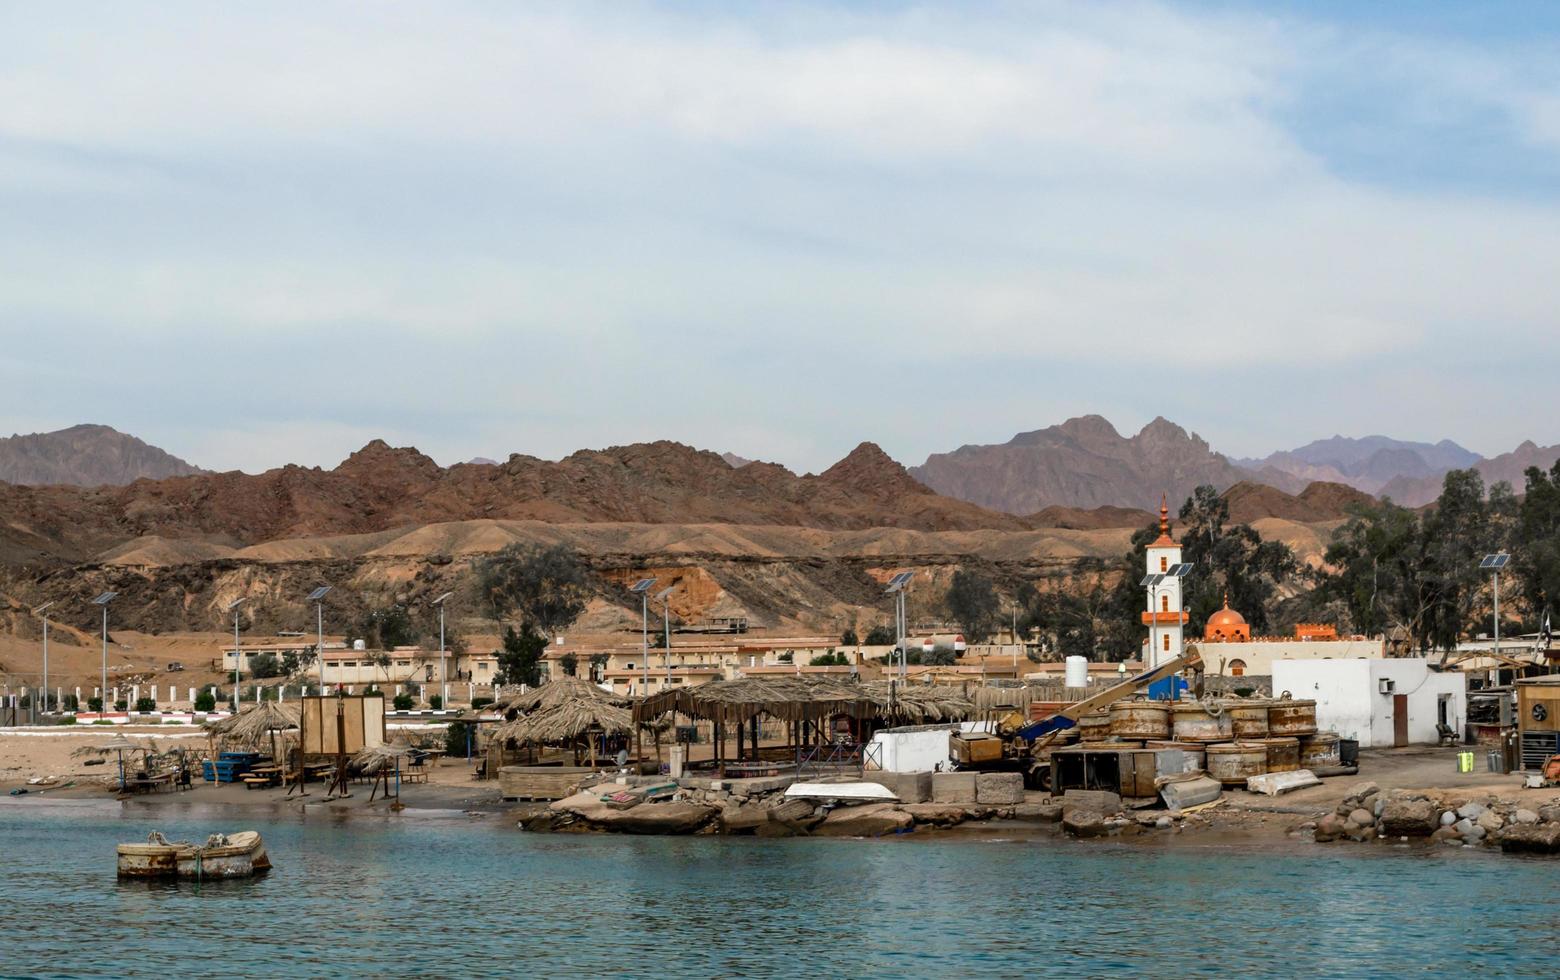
(1164, 617)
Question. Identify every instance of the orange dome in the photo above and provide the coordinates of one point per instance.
(1227, 625)
(1226, 617)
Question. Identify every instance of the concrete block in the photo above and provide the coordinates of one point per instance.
(1097, 800)
(910, 787)
(953, 787)
(999, 788)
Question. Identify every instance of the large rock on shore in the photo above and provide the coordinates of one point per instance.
(999, 788)
(872, 820)
(798, 815)
(1095, 800)
(1528, 838)
(747, 817)
(940, 814)
(646, 818)
(1085, 823)
(1410, 818)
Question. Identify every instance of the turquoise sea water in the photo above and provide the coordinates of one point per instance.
(447, 894)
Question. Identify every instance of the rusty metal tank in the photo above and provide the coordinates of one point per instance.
(1319, 751)
(1232, 762)
(1195, 752)
(1287, 716)
(1140, 719)
(1283, 754)
(1198, 721)
(1094, 727)
(1248, 719)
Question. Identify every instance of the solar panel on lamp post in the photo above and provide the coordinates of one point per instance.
(897, 587)
(642, 588)
(666, 614)
(238, 657)
(1179, 572)
(1495, 563)
(103, 601)
(42, 611)
(318, 598)
(444, 667)
(1151, 584)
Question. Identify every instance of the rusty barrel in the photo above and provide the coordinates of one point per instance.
(1231, 763)
(1196, 754)
(1140, 720)
(1319, 751)
(1290, 717)
(1248, 719)
(1195, 721)
(1283, 753)
(1094, 727)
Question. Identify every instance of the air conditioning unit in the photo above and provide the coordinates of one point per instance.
(1388, 685)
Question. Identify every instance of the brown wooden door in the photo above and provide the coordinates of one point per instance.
(1399, 720)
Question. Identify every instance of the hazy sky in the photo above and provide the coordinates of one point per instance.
(260, 233)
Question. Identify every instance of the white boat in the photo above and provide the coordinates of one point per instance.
(872, 792)
(237, 855)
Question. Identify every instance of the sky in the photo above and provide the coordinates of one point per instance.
(268, 233)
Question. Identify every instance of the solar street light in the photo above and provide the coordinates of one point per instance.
(666, 620)
(1495, 563)
(41, 611)
(444, 667)
(897, 587)
(103, 601)
(318, 598)
(642, 589)
(237, 655)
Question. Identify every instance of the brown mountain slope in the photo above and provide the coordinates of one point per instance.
(379, 488)
(1509, 467)
(1319, 502)
(85, 456)
(1083, 463)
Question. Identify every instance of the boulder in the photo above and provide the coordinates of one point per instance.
(1164, 823)
(1490, 821)
(1549, 814)
(910, 787)
(743, 818)
(1330, 828)
(775, 828)
(1526, 838)
(1038, 812)
(1524, 816)
(1448, 818)
(1362, 818)
(953, 787)
(1084, 823)
(1362, 834)
(1446, 835)
(799, 815)
(871, 820)
(1409, 818)
(999, 788)
(1471, 810)
(1464, 827)
(940, 814)
(1363, 790)
(655, 818)
(1097, 800)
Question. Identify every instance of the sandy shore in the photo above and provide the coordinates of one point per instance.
(26, 755)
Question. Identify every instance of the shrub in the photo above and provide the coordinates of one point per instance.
(94, 704)
(435, 702)
(205, 701)
(66, 720)
(480, 702)
(455, 739)
(145, 705)
(403, 702)
(72, 703)
(120, 705)
(265, 665)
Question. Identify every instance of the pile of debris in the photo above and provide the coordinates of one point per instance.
(1368, 814)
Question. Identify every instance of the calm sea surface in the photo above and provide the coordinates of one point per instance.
(455, 895)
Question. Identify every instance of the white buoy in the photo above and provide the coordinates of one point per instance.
(1077, 672)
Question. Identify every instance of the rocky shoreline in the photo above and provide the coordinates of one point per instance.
(1368, 814)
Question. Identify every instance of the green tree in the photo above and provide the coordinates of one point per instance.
(971, 601)
(205, 701)
(387, 628)
(570, 664)
(263, 665)
(1228, 559)
(848, 638)
(546, 589)
(519, 662)
(881, 635)
(830, 659)
(1537, 562)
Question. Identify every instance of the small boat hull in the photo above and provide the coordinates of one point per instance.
(240, 855)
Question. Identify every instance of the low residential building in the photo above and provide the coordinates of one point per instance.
(1229, 649)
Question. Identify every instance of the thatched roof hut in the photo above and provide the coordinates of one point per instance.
(554, 693)
(567, 721)
(376, 757)
(807, 699)
(255, 722)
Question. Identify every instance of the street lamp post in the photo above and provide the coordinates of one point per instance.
(642, 588)
(666, 619)
(1495, 563)
(238, 657)
(897, 587)
(103, 601)
(444, 667)
(43, 612)
(318, 598)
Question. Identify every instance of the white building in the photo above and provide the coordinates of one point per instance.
(1380, 702)
(1164, 617)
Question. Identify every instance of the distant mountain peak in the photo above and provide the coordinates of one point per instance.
(870, 470)
(88, 454)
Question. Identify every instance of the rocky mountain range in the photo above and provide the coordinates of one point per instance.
(1085, 463)
(1508, 467)
(1369, 463)
(85, 456)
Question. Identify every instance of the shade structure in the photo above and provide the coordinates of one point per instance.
(556, 692)
(807, 699)
(569, 720)
(255, 723)
(376, 757)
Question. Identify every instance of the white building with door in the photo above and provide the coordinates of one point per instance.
(1380, 702)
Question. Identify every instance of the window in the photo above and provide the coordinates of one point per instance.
(1164, 563)
(1167, 642)
(1237, 668)
(1164, 603)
